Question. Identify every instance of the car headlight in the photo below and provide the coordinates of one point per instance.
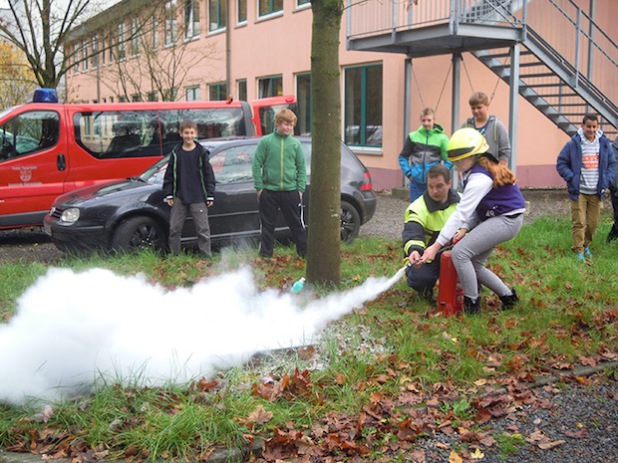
(71, 215)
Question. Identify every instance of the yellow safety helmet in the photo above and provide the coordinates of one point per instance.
(466, 142)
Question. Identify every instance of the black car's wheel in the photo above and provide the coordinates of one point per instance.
(139, 233)
(350, 222)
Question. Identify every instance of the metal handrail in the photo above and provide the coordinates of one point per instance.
(569, 32)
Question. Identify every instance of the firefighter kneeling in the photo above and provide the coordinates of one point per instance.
(423, 220)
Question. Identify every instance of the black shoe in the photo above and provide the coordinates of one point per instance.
(613, 234)
(508, 302)
(472, 307)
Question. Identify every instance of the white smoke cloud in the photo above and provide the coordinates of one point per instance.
(73, 329)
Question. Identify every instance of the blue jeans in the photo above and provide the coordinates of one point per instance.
(416, 189)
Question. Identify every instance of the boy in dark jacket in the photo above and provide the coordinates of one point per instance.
(587, 164)
(189, 185)
(280, 178)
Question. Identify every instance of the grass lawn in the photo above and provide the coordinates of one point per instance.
(375, 381)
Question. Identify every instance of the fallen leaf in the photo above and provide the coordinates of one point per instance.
(454, 458)
(477, 454)
(550, 444)
(260, 415)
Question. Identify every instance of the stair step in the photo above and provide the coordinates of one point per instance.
(521, 65)
(554, 95)
(505, 55)
(540, 74)
(550, 85)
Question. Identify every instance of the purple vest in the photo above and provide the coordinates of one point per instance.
(500, 200)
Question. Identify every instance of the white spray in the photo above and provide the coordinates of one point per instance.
(73, 329)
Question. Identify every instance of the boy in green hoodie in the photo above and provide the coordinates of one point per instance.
(280, 178)
(422, 149)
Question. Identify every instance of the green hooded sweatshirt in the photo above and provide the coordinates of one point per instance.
(279, 164)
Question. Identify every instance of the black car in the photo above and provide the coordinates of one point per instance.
(131, 214)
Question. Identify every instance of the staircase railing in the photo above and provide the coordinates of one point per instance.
(564, 28)
(583, 47)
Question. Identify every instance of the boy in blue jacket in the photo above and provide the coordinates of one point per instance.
(587, 164)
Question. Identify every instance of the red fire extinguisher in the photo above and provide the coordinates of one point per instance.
(450, 294)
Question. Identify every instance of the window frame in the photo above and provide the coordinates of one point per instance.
(220, 22)
(191, 19)
(364, 94)
(220, 88)
(270, 7)
(240, 21)
(271, 81)
(193, 93)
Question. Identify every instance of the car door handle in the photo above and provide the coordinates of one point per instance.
(61, 162)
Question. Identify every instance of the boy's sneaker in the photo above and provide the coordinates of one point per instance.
(580, 256)
(587, 252)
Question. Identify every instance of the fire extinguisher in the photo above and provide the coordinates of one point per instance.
(450, 294)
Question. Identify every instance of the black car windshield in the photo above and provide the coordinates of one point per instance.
(156, 172)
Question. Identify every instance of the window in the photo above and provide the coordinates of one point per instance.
(171, 31)
(121, 46)
(305, 102)
(241, 11)
(270, 86)
(192, 18)
(76, 57)
(300, 3)
(135, 33)
(192, 93)
(242, 90)
(217, 14)
(217, 92)
(102, 54)
(27, 133)
(266, 7)
(95, 52)
(363, 106)
(85, 55)
(155, 33)
(151, 96)
(136, 97)
(171, 94)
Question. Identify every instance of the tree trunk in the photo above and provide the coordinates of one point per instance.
(324, 257)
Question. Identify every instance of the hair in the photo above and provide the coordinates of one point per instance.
(285, 115)
(478, 98)
(439, 170)
(427, 112)
(590, 117)
(187, 124)
(501, 174)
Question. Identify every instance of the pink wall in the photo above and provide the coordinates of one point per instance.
(281, 45)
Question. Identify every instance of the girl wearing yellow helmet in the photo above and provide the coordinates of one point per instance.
(490, 212)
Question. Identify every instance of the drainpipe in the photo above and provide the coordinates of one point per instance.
(514, 105)
(455, 103)
(407, 104)
(590, 42)
(228, 50)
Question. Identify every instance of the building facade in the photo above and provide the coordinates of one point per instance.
(186, 52)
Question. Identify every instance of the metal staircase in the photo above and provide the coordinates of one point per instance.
(568, 66)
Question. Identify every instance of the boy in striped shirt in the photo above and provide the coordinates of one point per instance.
(587, 164)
